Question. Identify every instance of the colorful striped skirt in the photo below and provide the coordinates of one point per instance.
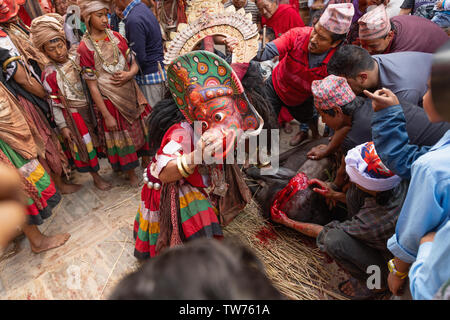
(128, 143)
(82, 166)
(198, 218)
(34, 172)
(146, 224)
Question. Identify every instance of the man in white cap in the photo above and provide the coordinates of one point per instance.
(374, 200)
(304, 53)
(378, 34)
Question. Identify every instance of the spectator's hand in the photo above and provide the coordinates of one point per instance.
(396, 284)
(382, 99)
(230, 43)
(121, 77)
(318, 152)
(439, 4)
(429, 237)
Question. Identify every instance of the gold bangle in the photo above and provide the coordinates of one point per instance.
(185, 165)
(180, 168)
(392, 269)
(9, 60)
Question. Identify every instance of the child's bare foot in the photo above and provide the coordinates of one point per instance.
(99, 183)
(134, 181)
(145, 161)
(50, 242)
(65, 188)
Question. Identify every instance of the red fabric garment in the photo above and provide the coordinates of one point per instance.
(295, 4)
(177, 133)
(181, 12)
(24, 16)
(284, 116)
(285, 18)
(292, 77)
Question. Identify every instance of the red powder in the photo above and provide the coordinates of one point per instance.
(265, 234)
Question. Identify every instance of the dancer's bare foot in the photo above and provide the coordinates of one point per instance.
(65, 188)
(49, 242)
(99, 183)
(134, 181)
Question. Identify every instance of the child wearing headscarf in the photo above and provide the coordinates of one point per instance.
(109, 69)
(71, 110)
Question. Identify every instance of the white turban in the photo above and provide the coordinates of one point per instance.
(365, 168)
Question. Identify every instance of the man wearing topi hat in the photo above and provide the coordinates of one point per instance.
(304, 53)
(379, 34)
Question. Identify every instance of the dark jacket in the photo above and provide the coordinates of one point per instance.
(144, 38)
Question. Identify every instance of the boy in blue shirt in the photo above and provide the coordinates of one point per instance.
(421, 242)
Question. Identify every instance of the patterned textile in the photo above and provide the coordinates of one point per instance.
(152, 78)
(124, 146)
(331, 92)
(374, 24)
(82, 166)
(337, 18)
(365, 168)
(33, 171)
(130, 7)
(54, 155)
(146, 224)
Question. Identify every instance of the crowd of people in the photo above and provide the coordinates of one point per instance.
(84, 80)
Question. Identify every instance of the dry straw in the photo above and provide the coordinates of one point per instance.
(296, 269)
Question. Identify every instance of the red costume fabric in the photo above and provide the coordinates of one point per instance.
(24, 16)
(292, 77)
(285, 18)
(295, 4)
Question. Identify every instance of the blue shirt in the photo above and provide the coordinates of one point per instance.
(144, 37)
(391, 141)
(432, 266)
(427, 204)
(405, 73)
(401, 134)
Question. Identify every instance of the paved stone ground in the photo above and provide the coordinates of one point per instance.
(97, 255)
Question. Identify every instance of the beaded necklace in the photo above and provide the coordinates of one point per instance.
(66, 81)
(99, 52)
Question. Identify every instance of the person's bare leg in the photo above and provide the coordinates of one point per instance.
(314, 126)
(145, 161)
(134, 181)
(63, 187)
(40, 242)
(99, 183)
